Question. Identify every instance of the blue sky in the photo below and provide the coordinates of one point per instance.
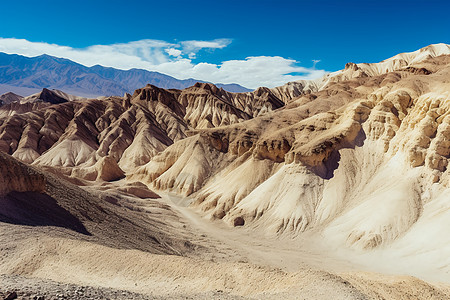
(249, 42)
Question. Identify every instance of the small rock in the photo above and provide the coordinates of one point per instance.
(11, 296)
(239, 221)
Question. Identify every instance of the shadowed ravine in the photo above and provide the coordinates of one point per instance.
(33, 209)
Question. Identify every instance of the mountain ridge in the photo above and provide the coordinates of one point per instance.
(352, 70)
(46, 71)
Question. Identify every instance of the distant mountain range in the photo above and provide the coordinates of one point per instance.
(27, 75)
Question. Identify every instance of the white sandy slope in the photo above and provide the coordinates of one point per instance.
(395, 63)
(387, 151)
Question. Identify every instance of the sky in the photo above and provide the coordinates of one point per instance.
(249, 42)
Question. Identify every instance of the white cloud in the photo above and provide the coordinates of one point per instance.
(173, 52)
(251, 72)
(175, 59)
(194, 46)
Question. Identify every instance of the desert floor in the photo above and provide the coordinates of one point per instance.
(223, 262)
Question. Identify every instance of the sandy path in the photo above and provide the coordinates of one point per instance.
(254, 246)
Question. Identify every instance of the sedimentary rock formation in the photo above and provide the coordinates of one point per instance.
(329, 158)
(58, 130)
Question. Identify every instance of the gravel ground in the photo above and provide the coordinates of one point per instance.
(32, 288)
(37, 289)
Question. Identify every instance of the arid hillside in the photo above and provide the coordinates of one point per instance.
(338, 186)
(327, 159)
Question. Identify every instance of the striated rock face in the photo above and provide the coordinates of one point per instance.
(15, 176)
(206, 106)
(58, 130)
(20, 108)
(80, 133)
(358, 159)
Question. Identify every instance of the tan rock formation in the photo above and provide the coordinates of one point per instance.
(108, 170)
(76, 132)
(327, 160)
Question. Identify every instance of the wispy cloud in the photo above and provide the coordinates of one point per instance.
(193, 46)
(175, 59)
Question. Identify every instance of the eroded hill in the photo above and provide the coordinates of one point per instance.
(328, 160)
(282, 186)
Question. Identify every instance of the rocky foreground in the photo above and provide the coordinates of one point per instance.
(18, 287)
